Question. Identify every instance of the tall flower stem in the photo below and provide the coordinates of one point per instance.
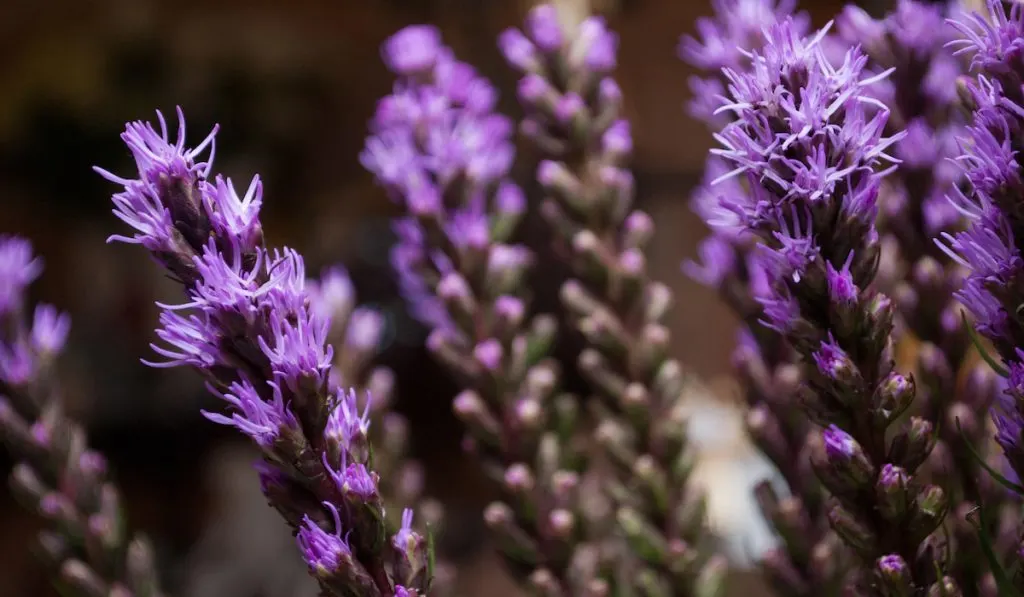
(809, 560)
(809, 140)
(249, 328)
(443, 155)
(573, 115)
(87, 542)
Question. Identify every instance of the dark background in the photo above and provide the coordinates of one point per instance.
(292, 85)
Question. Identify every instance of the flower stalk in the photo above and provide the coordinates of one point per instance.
(573, 116)
(443, 155)
(248, 327)
(86, 542)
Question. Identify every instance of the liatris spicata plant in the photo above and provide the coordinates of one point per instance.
(810, 142)
(249, 328)
(443, 155)
(809, 560)
(953, 388)
(86, 542)
(573, 116)
(989, 248)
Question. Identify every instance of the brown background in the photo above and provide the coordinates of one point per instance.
(293, 85)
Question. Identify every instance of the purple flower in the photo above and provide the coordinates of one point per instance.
(346, 424)
(325, 553)
(441, 154)
(167, 190)
(544, 28)
(413, 50)
(406, 539)
(354, 481)
(332, 297)
(258, 334)
(50, 329)
(18, 269)
(725, 40)
(265, 421)
(839, 445)
(995, 44)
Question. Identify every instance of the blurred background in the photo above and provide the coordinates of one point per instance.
(293, 85)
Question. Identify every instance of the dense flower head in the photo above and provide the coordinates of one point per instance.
(173, 207)
(810, 143)
(444, 155)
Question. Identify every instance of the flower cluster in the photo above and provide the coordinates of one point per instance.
(573, 116)
(810, 142)
(808, 560)
(989, 248)
(913, 41)
(248, 325)
(443, 155)
(56, 474)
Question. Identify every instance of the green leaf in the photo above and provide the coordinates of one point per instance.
(992, 362)
(981, 460)
(431, 554)
(1003, 584)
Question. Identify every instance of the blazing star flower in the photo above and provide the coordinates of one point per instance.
(260, 336)
(990, 247)
(811, 145)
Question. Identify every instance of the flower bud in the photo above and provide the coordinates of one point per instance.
(83, 581)
(782, 574)
(892, 490)
(712, 578)
(458, 298)
(644, 539)
(854, 533)
(638, 230)
(510, 537)
(471, 409)
(411, 554)
(930, 509)
(845, 467)
(893, 576)
(542, 583)
(617, 142)
(945, 587)
(893, 397)
(519, 51)
(657, 301)
(653, 483)
(572, 113)
(841, 374)
(912, 444)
